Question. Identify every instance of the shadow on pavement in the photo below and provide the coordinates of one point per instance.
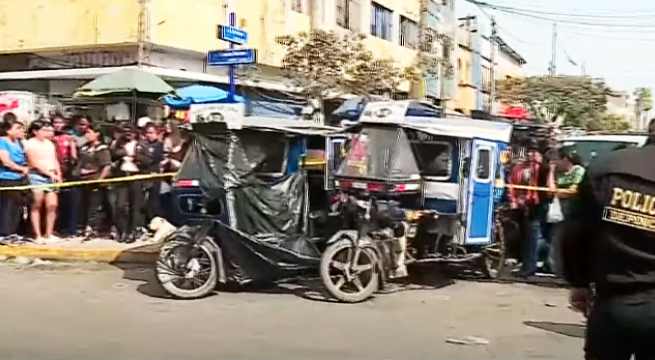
(146, 275)
(467, 274)
(572, 330)
(308, 286)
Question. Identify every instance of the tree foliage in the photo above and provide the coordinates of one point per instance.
(610, 122)
(643, 99)
(643, 103)
(321, 63)
(572, 100)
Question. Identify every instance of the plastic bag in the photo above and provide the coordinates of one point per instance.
(555, 214)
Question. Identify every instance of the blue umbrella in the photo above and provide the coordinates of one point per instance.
(198, 94)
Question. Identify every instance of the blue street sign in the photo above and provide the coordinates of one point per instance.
(231, 57)
(232, 34)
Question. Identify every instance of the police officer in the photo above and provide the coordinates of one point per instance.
(608, 245)
(149, 155)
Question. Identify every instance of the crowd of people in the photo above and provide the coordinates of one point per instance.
(59, 150)
(541, 212)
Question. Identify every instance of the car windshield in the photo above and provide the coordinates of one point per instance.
(379, 153)
(590, 150)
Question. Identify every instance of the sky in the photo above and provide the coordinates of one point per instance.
(623, 55)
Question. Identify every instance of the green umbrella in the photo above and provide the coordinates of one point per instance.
(125, 81)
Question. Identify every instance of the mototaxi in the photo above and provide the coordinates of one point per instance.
(253, 202)
(429, 187)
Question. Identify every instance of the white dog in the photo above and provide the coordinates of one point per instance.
(161, 228)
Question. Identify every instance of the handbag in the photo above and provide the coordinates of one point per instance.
(555, 214)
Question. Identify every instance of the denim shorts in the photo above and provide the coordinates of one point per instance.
(38, 179)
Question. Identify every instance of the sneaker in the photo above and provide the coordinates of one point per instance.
(140, 234)
(124, 238)
(114, 234)
(54, 238)
(49, 240)
(88, 232)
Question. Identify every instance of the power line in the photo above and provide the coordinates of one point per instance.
(582, 23)
(527, 20)
(598, 16)
(503, 29)
(605, 36)
(535, 4)
(536, 15)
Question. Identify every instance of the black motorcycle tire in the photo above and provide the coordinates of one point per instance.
(348, 297)
(492, 265)
(207, 288)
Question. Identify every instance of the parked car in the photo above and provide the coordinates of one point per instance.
(589, 147)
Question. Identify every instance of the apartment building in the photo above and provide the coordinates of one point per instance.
(52, 46)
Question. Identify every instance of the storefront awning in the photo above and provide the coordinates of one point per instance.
(164, 73)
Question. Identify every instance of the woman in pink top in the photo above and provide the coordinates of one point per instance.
(44, 170)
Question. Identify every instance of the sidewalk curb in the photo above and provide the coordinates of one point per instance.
(135, 256)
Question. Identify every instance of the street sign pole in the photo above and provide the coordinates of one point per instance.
(232, 69)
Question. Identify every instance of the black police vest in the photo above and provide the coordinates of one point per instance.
(623, 186)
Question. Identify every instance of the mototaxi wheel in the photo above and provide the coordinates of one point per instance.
(492, 261)
(187, 271)
(349, 274)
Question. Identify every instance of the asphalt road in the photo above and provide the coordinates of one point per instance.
(102, 312)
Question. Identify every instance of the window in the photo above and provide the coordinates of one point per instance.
(343, 13)
(483, 168)
(379, 153)
(348, 14)
(434, 158)
(590, 150)
(266, 153)
(429, 37)
(433, 154)
(486, 79)
(381, 21)
(199, 205)
(297, 5)
(408, 33)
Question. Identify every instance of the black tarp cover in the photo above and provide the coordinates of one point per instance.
(267, 214)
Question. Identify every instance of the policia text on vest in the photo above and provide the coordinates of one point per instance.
(631, 208)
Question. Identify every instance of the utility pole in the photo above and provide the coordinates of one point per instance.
(423, 51)
(553, 60)
(584, 68)
(442, 85)
(492, 75)
(141, 33)
(232, 70)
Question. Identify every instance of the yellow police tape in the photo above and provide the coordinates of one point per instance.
(89, 182)
(170, 175)
(539, 188)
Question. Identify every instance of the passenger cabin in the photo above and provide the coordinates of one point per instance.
(452, 163)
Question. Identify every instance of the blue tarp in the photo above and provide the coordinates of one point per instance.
(272, 109)
(203, 94)
(197, 94)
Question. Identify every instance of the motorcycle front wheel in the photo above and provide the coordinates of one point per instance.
(349, 273)
(187, 271)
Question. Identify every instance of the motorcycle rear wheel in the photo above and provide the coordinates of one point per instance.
(492, 262)
(347, 280)
(195, 278)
